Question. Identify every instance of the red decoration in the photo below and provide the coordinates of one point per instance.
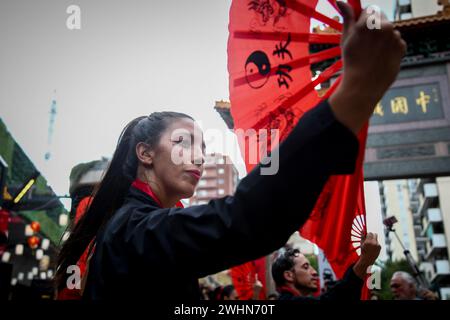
(4, 220)
(33, 242)
(83, 206)
(269, 63)
(244, 277)
(35, 226)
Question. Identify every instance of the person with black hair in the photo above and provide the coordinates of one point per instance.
(296, 279)
(229, 293)
(145, 246)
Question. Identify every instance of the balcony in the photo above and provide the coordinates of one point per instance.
(432, 219)
(421, 255)
(434, 215)
(427, 268)
(436, 245)
(421, 239)
(430, 190)
(442, 267)
(414, 205)
(430, 198)
(417, 230)
(441, 271)
(422, 182)
(421, 248)
(438, 241)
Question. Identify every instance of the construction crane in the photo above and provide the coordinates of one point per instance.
(51, 126)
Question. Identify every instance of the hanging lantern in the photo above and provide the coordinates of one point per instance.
(19, 249)
(63, 219)
(33, 242)
(5, 257)
(28, 230)
(45, 244)
(39, 254)
(44, 263)
(36, 226)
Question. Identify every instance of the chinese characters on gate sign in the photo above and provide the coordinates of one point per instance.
(413, 103)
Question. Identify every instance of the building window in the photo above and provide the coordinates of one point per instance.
(210, 173)
(220, 181)
(220, 161)
(202, 183)
(202, 193)
(221, 191)
(221, 171)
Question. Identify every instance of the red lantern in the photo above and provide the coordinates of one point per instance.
(33, 242)
(36, 226)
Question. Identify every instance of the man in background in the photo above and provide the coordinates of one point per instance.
(296, 279)
(403, 287)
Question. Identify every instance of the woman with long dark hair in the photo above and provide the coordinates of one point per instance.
(146, 247)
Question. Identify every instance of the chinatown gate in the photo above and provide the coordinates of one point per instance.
(409, 133)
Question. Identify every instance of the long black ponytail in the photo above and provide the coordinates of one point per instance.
(111, 192)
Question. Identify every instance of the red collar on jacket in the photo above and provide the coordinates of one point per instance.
(145, 187)
(288, 289)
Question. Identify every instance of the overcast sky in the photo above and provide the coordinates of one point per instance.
(130, 58)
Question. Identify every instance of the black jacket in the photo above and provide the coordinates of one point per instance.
(348, 289)
(147, 252)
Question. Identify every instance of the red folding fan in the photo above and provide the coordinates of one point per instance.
(271, 52)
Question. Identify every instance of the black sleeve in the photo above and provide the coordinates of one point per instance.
(349, 288)
(264, 211)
